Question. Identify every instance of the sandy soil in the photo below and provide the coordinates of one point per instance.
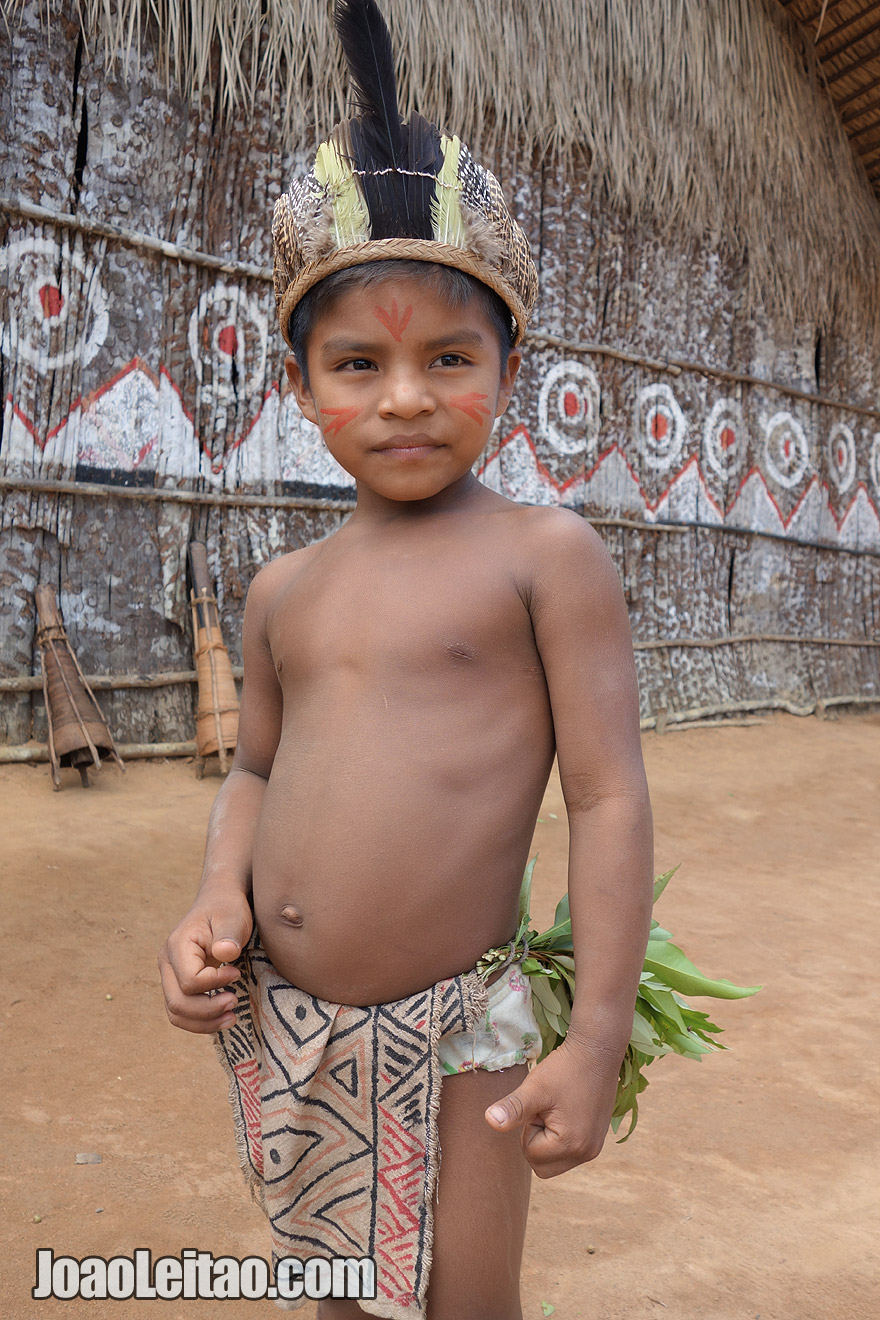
(746, 1190)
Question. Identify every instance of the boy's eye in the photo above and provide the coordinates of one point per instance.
(451, 360)
(356, 364)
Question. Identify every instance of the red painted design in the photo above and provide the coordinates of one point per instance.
(249, 1090)
(471, 405)
(659, 426)
(786, 448)
(841, 455)
(727, 438)
(341, 417)
(571, 403)
(227, 340)
(394, 321)
(51, 300)
(652, 505)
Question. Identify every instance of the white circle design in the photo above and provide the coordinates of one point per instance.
(56, 309)
(228, 330)
(660, 426)
(786, 452)
(841, 456)
(568, 407)
(724, 438)
(874, 462)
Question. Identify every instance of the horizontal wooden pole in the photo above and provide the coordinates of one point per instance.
(132, 238)
(150, 493)
(128, 751)
(748, 639)
(121, 682)
(172, 495)
(39, 752)
(696, 713)
(112, 682)
(675, 366)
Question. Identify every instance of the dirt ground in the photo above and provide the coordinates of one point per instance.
(746, 1191)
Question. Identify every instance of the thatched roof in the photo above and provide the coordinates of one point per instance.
(846, 36)
(700, 116)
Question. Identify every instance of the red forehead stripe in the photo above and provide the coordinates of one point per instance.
(394, 321)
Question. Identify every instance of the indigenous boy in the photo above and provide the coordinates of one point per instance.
(408, 680)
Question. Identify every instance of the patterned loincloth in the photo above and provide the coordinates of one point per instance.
(335, 1114)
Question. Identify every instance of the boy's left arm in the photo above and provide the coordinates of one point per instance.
(582, 632)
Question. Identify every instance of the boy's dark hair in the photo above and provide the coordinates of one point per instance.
(454, 286)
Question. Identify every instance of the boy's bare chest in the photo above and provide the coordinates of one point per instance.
(407, 613)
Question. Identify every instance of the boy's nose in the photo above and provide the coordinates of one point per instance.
(406, 396)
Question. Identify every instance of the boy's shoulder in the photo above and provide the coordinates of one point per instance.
(553, 534)
(278, 573)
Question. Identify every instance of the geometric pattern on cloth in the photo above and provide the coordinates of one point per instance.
(335, 1112)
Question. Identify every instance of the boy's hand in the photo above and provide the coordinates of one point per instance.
(190, 963)
(563, 1107)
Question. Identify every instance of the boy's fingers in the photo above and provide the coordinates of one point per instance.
(198, 1012)
(230, 932)
(226, 949)
(515, 1110)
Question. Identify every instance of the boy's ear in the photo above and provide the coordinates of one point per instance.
(300, 389)
(508, 380)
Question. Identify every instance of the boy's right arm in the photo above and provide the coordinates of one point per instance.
(197, 956)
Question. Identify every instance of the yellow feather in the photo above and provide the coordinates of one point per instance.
(446, 214)
(351, 219)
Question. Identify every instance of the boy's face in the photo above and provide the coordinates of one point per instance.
(404, 388)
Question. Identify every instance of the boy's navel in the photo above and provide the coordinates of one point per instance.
(291, 915)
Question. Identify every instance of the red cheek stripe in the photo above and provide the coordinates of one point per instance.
(394, 321)
(341, 417)
(471, 405)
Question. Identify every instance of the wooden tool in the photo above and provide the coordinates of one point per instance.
(78, 732)
(217, 714)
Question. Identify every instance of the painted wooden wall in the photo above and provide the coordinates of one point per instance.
(129, 367)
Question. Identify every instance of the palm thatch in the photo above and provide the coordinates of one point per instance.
(703, 117)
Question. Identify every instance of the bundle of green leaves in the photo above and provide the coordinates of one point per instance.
(663, 1021)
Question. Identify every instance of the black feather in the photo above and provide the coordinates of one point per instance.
(399, 204)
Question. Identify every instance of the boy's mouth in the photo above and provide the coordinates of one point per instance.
(413, 446)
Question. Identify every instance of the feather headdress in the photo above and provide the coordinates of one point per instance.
(381, 189)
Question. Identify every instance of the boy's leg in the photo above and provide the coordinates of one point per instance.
(480, 1215)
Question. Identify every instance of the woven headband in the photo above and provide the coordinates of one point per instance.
(381, 189)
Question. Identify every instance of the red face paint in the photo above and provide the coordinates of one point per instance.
(341, 417)
(393, 320)
(471, 405)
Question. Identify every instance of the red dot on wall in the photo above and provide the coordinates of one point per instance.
(841, 455)
(727, 438)
(51, 299)
(659, 426)
(786, 448)
(227, 341)
(571, 403)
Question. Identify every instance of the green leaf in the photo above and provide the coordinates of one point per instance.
(670, 965)
(543, 990)
(562, 912)
(548, 1308)
(662, 881)
(658, 933)
(642, 1031)
(525, 892)
(662, 1000)
(559, 933)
